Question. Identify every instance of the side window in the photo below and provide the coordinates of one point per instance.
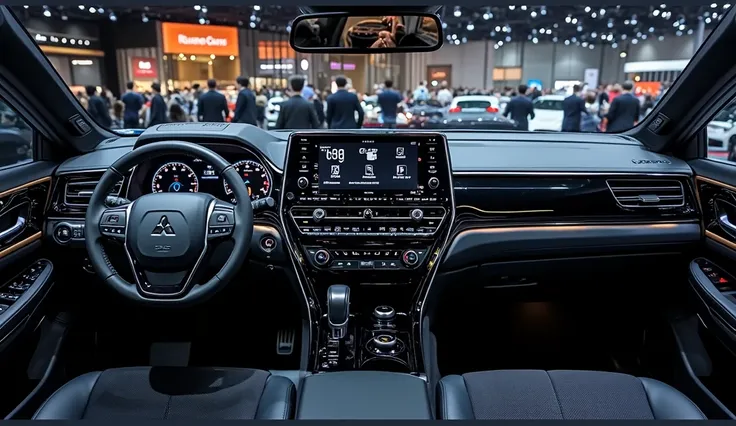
(16, 138)
(722, 134)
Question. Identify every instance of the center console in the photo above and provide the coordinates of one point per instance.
(366, 216)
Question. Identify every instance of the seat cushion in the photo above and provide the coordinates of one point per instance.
(568, 395)
(172, 393)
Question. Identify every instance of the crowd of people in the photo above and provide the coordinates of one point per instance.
(611, 108)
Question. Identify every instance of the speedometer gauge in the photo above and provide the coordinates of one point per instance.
(256, 179)
(175, 177)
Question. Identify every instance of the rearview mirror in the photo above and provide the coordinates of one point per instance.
(346, 33)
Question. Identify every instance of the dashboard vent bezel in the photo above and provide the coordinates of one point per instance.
(84, 179)
(647, 193)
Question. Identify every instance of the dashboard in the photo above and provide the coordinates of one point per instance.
(402, 217)
(181, 173)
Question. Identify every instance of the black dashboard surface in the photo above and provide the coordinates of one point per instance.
(470, 152)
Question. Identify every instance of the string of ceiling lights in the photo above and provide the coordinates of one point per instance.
(583, 26)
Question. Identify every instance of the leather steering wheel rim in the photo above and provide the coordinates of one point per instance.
(240, 231)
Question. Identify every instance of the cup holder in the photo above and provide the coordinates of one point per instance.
(389, 364)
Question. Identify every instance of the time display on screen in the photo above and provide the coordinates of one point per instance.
(368, 165)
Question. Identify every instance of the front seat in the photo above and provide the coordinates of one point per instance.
(172, 393)
(567, 395)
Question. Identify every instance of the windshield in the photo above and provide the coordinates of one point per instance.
(547, 68)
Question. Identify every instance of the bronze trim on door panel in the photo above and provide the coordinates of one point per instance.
(710, 234)
(20, 244)
(25, 186)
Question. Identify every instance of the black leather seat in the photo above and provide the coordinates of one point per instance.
(569, 395)
(172, 393)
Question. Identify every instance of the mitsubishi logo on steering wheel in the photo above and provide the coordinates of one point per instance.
(163, 229)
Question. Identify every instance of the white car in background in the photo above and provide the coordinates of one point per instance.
(272, 110)
(475, 103)
(547, 113)
(722, 133)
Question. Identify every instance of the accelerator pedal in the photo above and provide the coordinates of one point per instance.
(285, 341)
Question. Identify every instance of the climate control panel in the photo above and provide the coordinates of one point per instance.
(362, 259)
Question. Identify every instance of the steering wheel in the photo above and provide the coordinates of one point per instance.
(167, 235)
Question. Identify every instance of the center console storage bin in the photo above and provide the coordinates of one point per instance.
(364, 395)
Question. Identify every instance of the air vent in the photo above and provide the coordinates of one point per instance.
(78, 190)
(654, 193)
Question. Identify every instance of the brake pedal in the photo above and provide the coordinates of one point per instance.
(285, 341)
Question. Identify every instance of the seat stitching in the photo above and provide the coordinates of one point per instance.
(649, 401)
(443, 393)
(554, 391)
(168, 407)
(287, 405)
(467, 392)
(265, 385)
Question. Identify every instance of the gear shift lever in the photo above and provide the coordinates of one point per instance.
(338, 310)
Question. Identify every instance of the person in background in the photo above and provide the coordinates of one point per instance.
(297, 112)
(389, 100)
(625, 110)
(178, 98)
(97, 108)
(342, 106)
(245, 107)
(572, 108)
(212, 106)
(647, 105)
(133, 104)
(421, 94)
(444, 96)
(157, 111)
(261, 104)
(177, 114)
(118, 111)
(591, 121)
(319, 107)
(520, 108)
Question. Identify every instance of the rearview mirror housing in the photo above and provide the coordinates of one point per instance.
(349, 33)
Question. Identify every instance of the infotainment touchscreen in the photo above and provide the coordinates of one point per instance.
(388, 165)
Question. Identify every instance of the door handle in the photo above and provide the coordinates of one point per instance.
(726, 223)
(13, 230)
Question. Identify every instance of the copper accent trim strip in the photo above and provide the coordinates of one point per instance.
(20, 244)
(715, 182)
(25, 186)
(717, 238)
(709, 234)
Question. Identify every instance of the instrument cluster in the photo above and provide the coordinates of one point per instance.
(188, 174)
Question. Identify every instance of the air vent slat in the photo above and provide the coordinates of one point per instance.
(649, 193)
(78, 190)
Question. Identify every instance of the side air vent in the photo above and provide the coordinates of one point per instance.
(654, 193)
(78, 190)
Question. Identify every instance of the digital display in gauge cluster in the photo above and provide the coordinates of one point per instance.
(194, 175)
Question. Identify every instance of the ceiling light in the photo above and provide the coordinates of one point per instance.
(252, 24)
(202, 21)
(457, 12)
(193, 57)
(622, 54)
(92, 10)
(256, 8)
(512, 7)
(100, 10)
(656, 12)
(587, 9)
(46, 12)
(81, 7)
(523, 7)
(614, 45)
(113, 18)
(533, 14)
(197, 7)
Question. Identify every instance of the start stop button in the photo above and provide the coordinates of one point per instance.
(268, 243)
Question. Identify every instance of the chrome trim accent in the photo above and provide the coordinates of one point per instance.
(190, 276)
(490, 173)
(10, 232)
(660, 198)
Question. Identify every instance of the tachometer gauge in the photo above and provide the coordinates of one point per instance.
(256, 179)
(175, 177)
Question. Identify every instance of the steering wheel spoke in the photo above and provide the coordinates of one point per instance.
(221, 221)
(114, 221)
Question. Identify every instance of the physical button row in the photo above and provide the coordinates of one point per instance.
(367, 234)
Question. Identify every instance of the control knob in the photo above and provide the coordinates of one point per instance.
(433, 183)
(302, 182)
(410, 258)
(417, 215)
(384, 313)
(321, 257)
(63, 233)
(318, 215)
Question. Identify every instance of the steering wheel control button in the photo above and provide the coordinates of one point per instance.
(417, 215)
(433, 183)
(321, 257)
(410, 258)
(221, 218)
(268, 243)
